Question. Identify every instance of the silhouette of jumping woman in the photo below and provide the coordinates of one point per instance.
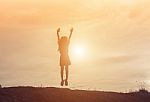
(63, 44)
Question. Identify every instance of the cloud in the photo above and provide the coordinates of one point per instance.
(119, 59)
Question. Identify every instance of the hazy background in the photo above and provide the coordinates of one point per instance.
(116, 34)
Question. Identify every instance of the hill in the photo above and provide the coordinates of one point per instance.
(51, 94)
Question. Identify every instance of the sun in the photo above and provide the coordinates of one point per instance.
(79, 51)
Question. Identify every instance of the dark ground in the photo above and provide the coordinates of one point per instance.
(31, 94)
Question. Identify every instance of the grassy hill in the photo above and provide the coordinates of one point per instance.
(31, 94)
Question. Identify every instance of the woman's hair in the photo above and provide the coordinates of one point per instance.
(63, 43)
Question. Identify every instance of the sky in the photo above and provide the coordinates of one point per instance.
(115, 36)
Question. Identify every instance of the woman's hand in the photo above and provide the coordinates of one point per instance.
(71, 30)
(58, 30)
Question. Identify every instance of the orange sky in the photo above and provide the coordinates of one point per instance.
(115, 33)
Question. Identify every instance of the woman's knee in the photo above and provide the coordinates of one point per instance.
(66, 68)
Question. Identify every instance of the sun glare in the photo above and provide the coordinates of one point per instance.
(78, 51)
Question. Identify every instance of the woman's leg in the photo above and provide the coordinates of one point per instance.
(62, 73)
(66, 68)
(66, 81)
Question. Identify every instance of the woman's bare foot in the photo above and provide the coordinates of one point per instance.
(66, 82)
(62, 83)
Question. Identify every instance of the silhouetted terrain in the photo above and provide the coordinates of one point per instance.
(31, 94)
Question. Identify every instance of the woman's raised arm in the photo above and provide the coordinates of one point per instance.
(58, 30)
(71, 30)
